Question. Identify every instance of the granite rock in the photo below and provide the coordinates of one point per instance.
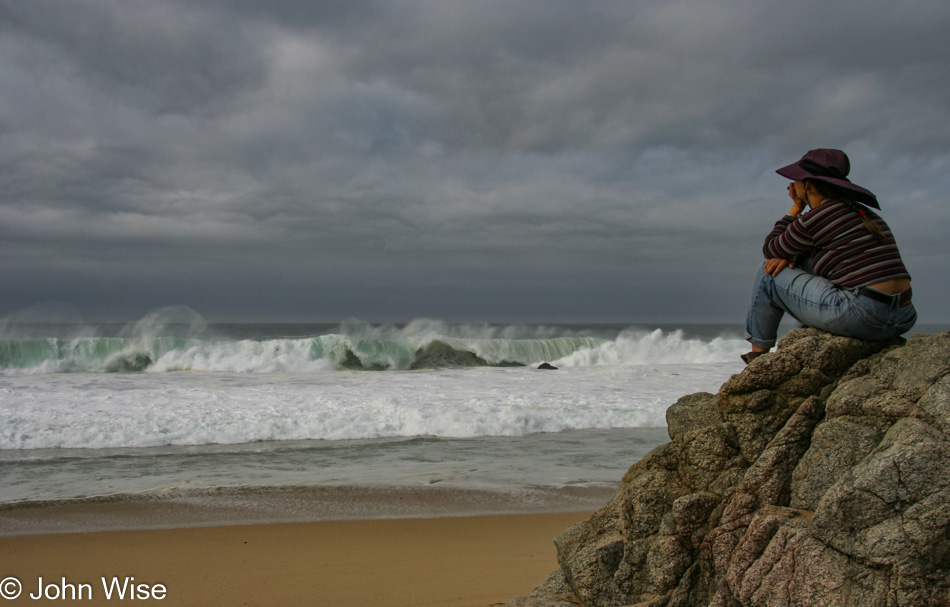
(820, 475)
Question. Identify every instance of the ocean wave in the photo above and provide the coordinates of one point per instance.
(639, 347)
(336, 351)
(178, 339)
(326, 352)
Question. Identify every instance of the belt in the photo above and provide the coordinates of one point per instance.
(903, 297)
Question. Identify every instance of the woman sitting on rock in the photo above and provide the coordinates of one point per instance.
(836, 267)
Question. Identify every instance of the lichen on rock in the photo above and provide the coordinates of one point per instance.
(820, 475)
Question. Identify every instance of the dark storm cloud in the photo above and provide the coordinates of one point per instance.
(541, 76)
(479, 159)
(150, 55)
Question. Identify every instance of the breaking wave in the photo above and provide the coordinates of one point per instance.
(151, 346)
(334, 351)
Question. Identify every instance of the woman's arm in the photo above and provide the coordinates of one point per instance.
(776, 263)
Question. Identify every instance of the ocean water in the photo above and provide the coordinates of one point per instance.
(172, 409)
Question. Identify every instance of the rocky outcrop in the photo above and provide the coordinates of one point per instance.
(820, 475)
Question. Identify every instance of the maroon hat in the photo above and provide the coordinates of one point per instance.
(830, 166)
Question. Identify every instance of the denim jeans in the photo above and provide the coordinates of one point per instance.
(817, 302)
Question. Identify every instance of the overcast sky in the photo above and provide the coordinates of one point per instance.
(510, 160)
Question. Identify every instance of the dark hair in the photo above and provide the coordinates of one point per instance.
(831, 191)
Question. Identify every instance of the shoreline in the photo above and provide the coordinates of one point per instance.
(452, 561)
(228, 506)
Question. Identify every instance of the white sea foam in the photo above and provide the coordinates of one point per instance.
(140, 410)
(191, 385)
(638, 347)
(245, 356)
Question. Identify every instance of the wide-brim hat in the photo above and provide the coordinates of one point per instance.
(830, 166)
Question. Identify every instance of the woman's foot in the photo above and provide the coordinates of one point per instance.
(750, 356)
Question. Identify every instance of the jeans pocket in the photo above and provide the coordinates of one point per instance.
(859, 320)
(846, 317)
(877, 315)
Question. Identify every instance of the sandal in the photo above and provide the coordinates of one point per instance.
(750, 356)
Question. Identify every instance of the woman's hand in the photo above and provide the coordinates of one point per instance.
(796, 191)
(777, 264)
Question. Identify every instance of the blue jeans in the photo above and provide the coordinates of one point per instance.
(817, 302)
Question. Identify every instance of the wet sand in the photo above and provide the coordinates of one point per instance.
(470, 561)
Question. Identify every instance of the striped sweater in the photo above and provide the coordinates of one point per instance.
(841, 248)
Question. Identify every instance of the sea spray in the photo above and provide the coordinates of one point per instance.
(156, 347)
(639, 347)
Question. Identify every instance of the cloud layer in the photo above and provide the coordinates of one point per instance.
(485, 160)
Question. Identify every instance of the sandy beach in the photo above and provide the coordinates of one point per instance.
(476, 561)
